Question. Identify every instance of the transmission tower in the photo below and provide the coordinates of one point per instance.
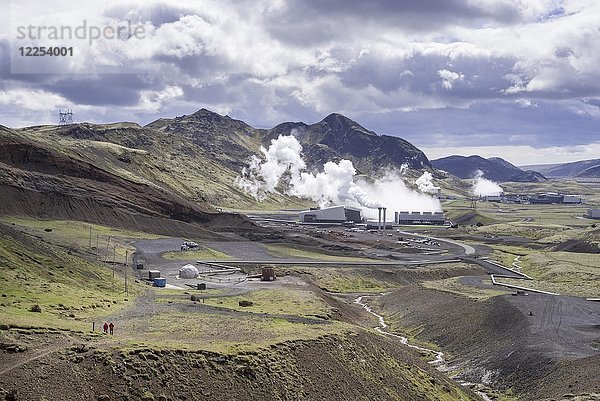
(65, 117)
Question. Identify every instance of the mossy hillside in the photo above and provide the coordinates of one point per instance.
(70, 290)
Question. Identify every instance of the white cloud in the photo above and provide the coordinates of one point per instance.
(153, 100)
(33, 99)
(521, 155)
(449, 77)
(228, 56)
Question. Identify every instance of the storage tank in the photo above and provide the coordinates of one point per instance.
(188, 271)
(160, 282)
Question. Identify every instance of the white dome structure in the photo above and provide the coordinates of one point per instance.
(188, 271)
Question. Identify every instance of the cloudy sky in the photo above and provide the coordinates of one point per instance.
(518, 79)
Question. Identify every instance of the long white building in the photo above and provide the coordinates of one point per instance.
(420, 218)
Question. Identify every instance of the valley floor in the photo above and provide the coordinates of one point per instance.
(301, 336)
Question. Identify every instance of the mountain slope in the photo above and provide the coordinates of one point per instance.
(42, 181)
(494, 168)
(337, 136)
(197, 157)
(580, 169)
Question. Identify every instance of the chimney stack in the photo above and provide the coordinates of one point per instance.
(384, 211)
(379, 219)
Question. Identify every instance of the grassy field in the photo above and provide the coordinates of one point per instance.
(70, 291)
(286, 302)
(233, 333)
(196, 254)
(86, 237)
(345, 280)
(567, 273)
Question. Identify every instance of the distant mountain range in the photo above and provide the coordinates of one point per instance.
(495, 169)
(580, 169)
(173, 168)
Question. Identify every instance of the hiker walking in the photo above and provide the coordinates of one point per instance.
(105, 327)
(111, 326)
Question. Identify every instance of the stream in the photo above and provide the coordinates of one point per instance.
(439, 362)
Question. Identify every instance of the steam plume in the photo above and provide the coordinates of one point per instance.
(484, 187)
(425, 185)
(283, 166)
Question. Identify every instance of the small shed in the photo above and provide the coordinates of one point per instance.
(267, 274)
(152, 274)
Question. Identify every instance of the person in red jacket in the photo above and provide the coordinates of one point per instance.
(105, 327)
(111, 326)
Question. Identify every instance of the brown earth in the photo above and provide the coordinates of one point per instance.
(361, 366)
(538, 346)
(40, 182)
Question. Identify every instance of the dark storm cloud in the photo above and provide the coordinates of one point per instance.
(314, 21)
(436, 72)
(101, 90)
(494, 123)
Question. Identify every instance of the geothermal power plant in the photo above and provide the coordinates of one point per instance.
(341, 214)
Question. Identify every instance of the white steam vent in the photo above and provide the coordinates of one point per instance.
(188, 271)
(484, 187)
(425, 185)
(284, 167)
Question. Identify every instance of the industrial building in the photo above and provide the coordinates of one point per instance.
(572, 199)
(493, 198)
(379, 225)
(592, 214)
(550, 198)
(334, 214)
(436, 218)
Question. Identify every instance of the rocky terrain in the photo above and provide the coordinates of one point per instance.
(337, 136)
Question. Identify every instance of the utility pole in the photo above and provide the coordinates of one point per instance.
(114, 259)
(107, 246)
(90, 237)
(126, 272)
(97, 249)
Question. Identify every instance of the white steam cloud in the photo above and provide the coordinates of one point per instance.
(484, 187)
(425, 185)
(284, 167)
